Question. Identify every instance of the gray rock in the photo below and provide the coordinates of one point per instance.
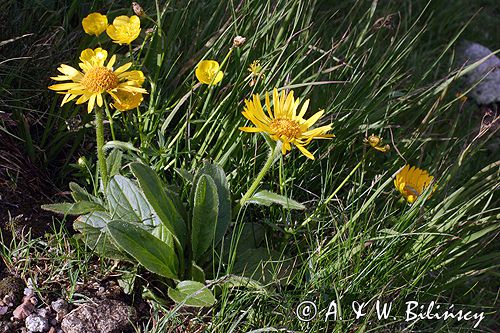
(488, 91)
(103, 316)
(59, 305)
(36, 323)
(3, 310)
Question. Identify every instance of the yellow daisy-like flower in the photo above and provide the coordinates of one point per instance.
(95, 24)
(208, 72)
(124, 29)
(412, 182)
(283, 123)
(97, 79)
(127, 100)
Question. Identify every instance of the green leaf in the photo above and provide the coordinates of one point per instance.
(127, 281)
(236, 281)
(155, 255)
(224, 197)
(197, 273)
(192, 293)
(163, 234)
(120, 145)
(114, 162)
(93, 233)
(80, 194)
(76, 208)
(127, 202)
(205, 211)
(161, 201)
(267, 198)
(186, 175)
(97, 220)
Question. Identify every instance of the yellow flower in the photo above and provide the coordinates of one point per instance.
(97, 79)
(412, 182)
(283, 123)
(95, 24)
(255, 70)
(376, 143)
(124, 29)
(125, 100)
(208, 72)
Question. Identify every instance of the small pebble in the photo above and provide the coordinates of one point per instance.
(36, 323)
(29, 292)
(23, 310)
(59, 305)
(3, 310)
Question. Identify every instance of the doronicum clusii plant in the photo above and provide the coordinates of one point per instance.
(94, 84)
(143, 220)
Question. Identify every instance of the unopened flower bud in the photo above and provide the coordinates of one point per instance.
(82, 162)
(238, 41)
(137, 9)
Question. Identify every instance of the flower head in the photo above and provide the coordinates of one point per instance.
(124, 29)
(412, 182)
(256, 72)
(95, 79)
(283, 123)
(127, 100)
(208, 72)
(95, 24)
(376, 142)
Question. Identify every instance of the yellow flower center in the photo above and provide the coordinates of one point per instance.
(285, 127)
(100, 79)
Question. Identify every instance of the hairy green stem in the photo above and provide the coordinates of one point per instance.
(99, 133)
(110, 118)
(269, 162)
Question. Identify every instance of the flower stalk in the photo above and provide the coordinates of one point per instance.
(99, 132)
(273, 154)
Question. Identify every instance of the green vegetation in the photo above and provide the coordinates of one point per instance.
(385, 68)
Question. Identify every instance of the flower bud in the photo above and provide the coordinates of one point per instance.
(238, 41)
(137, 9)
(82, 161)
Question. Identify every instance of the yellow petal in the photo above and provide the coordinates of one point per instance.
(99, 100)
(95, 24)
(305, 152)
(250, 129)
(311, 121)
(123, 68)
(91, 103)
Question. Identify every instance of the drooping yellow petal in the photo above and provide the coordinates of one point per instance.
(90, 105)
